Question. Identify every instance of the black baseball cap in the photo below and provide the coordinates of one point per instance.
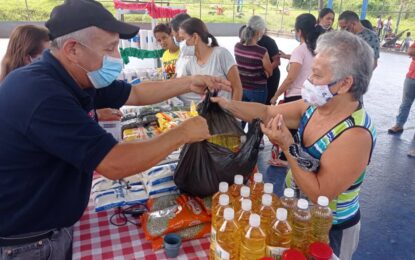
(74, 15)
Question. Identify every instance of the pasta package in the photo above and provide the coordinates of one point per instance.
(186, 213)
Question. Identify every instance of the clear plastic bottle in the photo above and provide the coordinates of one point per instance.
(235, 189)
(288, 201)
(321, 220)
(228, 237)
(267, 213)
(257, 189)
(245, 193)
(301, 226)
(279, 238)
(217, 218)
(253, 240)
(269, 189)
(242, 216)
(223, 189)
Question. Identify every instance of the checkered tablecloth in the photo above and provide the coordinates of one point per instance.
(96, 238)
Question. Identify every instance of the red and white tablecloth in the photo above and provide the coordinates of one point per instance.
(96, 238)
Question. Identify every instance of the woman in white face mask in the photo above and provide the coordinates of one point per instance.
(208, 58)
(330, 153)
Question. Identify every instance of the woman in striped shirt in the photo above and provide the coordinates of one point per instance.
(253, 61)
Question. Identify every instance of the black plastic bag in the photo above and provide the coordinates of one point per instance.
(203, 165)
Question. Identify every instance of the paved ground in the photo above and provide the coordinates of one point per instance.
(387, 197)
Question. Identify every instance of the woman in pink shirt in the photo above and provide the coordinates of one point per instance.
(306, 32)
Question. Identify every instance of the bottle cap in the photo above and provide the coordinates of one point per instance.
(238, 179)
(320, 250)
(282, 214)
(246, 204)
(257, 177)
(266, 200)
(323, 201)
(223, 200)
(289, 193)
(245, 191)
(302, 204)
(223, 187)
(268, 188)
(229, 214)
(254, 220)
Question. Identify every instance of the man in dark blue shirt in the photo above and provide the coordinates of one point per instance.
(50, 144)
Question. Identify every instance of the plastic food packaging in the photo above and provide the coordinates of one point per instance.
(186, 213)
(203, 165)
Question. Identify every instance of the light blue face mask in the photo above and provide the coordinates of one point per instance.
(109, 71)
(297, 38)
(176, 42)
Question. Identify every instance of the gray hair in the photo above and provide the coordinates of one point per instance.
(255, 24)
(84, 35)
(349, 55)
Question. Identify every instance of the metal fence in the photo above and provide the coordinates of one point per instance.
(279, 14)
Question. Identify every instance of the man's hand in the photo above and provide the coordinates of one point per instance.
(277, 132)
(195, 129)
(109, 114)
(273, 100)
(199, 83)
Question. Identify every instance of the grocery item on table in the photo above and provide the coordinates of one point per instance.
(253, 240)
(155, 204)
(301, 226)
(269, 189)
(186, 213)
(279, 237)
(223, 189)
(228, 238)
(217, 218)
(257, 189)
(288, 201)
(267, 213)
(189, 233)
(235, 189)
(206, 203)
(321, 220)
(242, 216)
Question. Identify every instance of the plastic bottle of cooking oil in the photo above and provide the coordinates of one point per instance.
(228, 237)
(235, 189)
(267, 213)
(279, 238)
(253, 240)
(321, 220)
(217, 218)
(257, 188)
(301, 226)
(288, 201)
(223, 189)
(245, 192)
(242, 216)
(269, 189)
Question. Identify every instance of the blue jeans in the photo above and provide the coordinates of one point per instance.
(58, 246)
(258, 96)
(408, 98)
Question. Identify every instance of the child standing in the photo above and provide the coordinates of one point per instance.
(163, 35)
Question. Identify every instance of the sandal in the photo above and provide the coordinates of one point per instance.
(395, 130)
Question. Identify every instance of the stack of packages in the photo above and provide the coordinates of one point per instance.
(136, 189)
(188, 217)
(142, 123)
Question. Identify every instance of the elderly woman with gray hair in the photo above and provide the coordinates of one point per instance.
(335, 138)
(253, 61)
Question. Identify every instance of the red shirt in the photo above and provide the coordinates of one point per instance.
(411, 72)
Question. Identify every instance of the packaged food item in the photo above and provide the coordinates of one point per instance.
(190, 233)
(187, 213)
(136, 194)
(103, 184)
(107, 199)
(155, 204)
(206, 203)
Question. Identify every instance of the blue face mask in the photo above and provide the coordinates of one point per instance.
(297, 38)
(176, 42)
(109, 71)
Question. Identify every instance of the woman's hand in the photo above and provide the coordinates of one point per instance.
(199, 83)
(273, 100)
(277, 132)
(222, 102)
